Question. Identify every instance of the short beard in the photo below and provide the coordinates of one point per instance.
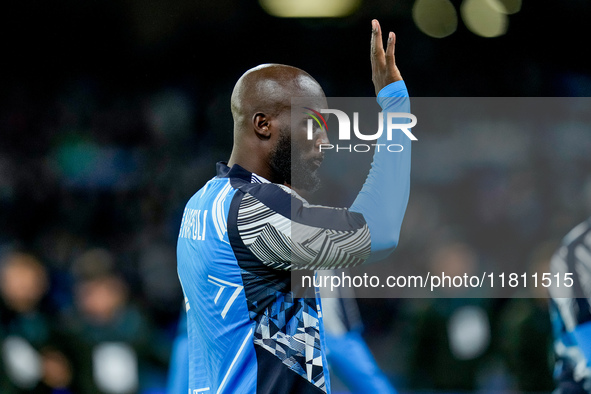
(297, 173)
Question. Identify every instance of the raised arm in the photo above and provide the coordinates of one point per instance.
(383, 199)
(383, 63)
(283, 231)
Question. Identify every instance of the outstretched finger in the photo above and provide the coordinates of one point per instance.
(390, 49)
(377, 46)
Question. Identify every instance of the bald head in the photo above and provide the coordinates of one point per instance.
(268, 89)
(261, 108)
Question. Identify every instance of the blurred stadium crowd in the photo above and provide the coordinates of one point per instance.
(95, 213)
(97, 161)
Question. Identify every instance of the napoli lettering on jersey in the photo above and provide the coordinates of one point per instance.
(193, 225)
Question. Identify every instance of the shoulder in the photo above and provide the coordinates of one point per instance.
(269, 195)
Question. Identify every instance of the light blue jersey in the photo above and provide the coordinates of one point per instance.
(239, 238)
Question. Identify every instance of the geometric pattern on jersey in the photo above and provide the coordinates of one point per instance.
(573, 256)
(315, 248)
(265, 232)
(260, 338)
(273, 230)
(289, 329)
(284, 244)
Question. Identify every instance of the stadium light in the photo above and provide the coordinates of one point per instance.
(511, 6)
(435, 18)
(486, 18)
(310, 8)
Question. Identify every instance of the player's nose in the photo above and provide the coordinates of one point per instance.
(322, 138)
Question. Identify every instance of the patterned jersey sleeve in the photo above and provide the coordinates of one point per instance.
(283, 231)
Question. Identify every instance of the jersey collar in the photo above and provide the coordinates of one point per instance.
(223, 171)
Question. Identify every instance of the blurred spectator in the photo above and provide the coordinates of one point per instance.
(524, 330)
(33, 356)
(450, 337)
(119, 350)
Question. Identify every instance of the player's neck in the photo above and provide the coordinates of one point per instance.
(252, 163)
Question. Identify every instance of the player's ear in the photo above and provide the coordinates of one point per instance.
(262, 125)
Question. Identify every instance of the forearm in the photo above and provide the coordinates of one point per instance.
(384, 195)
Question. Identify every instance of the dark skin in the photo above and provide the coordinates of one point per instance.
(261, 108)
